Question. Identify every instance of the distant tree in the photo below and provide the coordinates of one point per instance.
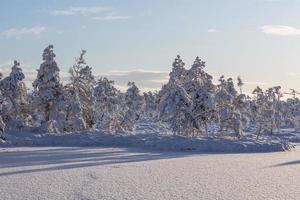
(293, 93)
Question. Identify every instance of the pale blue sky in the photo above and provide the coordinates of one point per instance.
(138, 39)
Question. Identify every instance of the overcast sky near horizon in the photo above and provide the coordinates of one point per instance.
(138, 40)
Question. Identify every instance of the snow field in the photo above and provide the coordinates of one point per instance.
(120, 173)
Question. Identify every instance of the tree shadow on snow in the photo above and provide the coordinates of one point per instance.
(53, 159)
(287, 163)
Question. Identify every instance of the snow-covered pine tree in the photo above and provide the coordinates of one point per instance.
(240, 84)
(203, 107)
(15, 93)
(2, 124)
(82, 84)
(291, 110)
(178, 76)
(268, 110)
(230, 87)
(278, 107)
(199, 86)
(237, 124)
(36, 117)
(257, 97)
(197, 77)
(109, 107)
(74, 120)
(176, 110)
(242, 103)
(151, 106)
(263, 110)
(293, 93)
(49, 96)
(134, 103)
(228, 116)
(223, 103)
(178, 73)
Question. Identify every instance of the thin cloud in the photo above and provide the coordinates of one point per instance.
(293, 74)
(145, 13)
(112, 17)
(255, 83)
(212, 30)
(124, 72)
(79, 11)
(183, 17)
(280, 30)
(146, 80)
(19, 32)
(272, 0)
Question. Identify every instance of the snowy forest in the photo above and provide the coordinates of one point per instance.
(189, 104)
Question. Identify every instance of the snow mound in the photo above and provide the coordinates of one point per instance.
(152, 141)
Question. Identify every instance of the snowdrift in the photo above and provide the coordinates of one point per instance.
(151, 141)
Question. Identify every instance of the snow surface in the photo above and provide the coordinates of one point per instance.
(87, 173)
(150, 140)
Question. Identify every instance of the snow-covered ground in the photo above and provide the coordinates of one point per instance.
(88, 173)
(153, 141)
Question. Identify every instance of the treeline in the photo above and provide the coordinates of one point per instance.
(189, 103)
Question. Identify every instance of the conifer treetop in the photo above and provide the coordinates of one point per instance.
(48, 54)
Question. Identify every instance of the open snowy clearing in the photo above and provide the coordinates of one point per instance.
(119, 173)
